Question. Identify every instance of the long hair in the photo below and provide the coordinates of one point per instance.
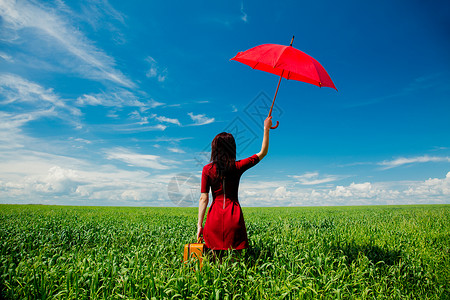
(223, 153)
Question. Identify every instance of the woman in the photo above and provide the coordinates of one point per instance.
(225, 227)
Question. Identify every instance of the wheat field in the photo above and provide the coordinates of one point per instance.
(378, 252)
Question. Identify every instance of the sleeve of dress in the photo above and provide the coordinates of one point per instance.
(205, 185)
(245, 164)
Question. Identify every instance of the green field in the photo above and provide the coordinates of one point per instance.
(378, 252)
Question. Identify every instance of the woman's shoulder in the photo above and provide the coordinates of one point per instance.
(247, 163)
(252, 157)
(207, 166)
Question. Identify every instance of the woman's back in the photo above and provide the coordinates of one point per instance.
(211, 179)
(225, 227)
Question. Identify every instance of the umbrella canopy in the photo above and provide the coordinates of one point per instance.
(287, 62)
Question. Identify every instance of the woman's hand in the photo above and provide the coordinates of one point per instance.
(268, 122)
(199, 232)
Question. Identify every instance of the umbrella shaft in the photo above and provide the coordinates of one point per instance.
(276, 92)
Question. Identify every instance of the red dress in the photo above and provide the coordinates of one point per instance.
(225, 227)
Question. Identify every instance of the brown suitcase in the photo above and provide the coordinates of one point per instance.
(196, 250)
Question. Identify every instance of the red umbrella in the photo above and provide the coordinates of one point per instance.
(287, 62)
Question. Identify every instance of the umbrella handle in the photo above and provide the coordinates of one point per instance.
(273, 127)
(275, 96)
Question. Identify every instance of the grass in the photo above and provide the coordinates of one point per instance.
(383, 252)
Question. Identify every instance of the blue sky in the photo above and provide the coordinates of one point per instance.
(116, 102)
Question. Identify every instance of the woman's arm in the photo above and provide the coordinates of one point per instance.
(265, 142)
(203, 203)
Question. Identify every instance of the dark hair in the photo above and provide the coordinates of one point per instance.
(223, 153)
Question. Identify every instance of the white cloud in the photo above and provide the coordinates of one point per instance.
(155, 70)
(200, 119)
(389, 164)
(31, 102)
(170, 139)
(355, 190)
(91, 100)
(437, 148)
(227, 20)
(280, 192)
(112, 114)
(160, 127)
(313, 178)
(117, 98)
(80, 140)
(244, 16)
(95, 10)
(37, 177)
(58, 180)
(11, 123)
(47, 27)
(431, 187)
(133, 128)
(175, 150)
(137, 116)
(6, 57)
(287, 193)
(140, 160)
(16, 89)
(166, 120)
(140, 124)
(11, 136)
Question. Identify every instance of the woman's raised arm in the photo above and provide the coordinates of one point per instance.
(265, 142)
